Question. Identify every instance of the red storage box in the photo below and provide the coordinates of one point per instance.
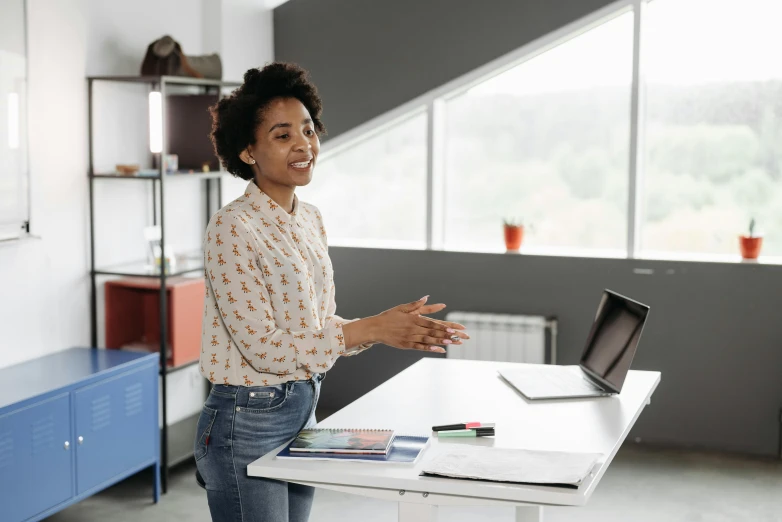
(133, 316)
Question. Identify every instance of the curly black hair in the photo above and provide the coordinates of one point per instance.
(236, 117)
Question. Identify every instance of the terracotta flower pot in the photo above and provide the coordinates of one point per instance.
(513, 237)
(750, 246)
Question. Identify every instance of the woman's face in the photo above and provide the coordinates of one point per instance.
(286, 144)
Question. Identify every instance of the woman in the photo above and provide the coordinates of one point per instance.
(270, 328)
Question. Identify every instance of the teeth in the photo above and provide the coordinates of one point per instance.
(301, 165)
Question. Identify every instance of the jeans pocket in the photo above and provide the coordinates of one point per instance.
(264, 399)
(203, 430)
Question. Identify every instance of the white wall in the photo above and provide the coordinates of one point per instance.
(45, 280)
(248, 37)
(211, 27)
(247, 33)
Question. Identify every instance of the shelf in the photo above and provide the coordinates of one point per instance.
(184, 265)
(153, 348)
(173, 80)
(175, 175)
(182, 366)
(139, 284)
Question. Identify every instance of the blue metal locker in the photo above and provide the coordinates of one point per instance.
(113, 420)
(36, 458)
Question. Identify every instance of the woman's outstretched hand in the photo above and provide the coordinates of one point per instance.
(405, 327)
(433, 308)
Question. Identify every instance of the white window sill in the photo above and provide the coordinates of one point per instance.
(542, 251)
(391, 244)
(566, 252)
(709, 258)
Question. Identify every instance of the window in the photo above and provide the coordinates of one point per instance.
(14, 198)
(373, 191)
(548, 142)
(713, 154)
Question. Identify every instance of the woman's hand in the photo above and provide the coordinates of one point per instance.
(405, 327)
(430, 309)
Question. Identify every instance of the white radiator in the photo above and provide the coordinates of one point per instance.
(506, 338)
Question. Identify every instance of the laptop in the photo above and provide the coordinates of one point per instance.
(610, 348)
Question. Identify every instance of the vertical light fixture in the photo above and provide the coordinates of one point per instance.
(155, 122)
(13, 120)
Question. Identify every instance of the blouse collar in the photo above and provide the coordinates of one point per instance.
(260, 201)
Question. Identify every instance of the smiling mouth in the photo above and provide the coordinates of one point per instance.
(301, 164)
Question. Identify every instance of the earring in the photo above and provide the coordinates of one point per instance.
(252, 162)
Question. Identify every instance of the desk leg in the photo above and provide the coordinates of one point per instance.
(417, 512)
(529, 514)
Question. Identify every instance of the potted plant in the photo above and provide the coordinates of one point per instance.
(514, 234)
(750, 245)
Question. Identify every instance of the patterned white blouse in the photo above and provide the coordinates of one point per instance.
(269, 312)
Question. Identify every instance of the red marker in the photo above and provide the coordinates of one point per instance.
(462, 426)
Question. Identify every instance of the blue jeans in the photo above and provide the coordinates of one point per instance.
(240, 424)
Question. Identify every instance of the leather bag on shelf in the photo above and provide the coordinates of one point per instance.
(165, 57)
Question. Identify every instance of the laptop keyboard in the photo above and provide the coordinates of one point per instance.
(570, 381)
(564, 381)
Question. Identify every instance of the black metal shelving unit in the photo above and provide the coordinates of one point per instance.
(186, 264)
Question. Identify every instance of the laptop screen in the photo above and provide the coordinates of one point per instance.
(613, 339)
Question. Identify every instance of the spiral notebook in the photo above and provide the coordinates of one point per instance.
(361, 441)
(404, 450)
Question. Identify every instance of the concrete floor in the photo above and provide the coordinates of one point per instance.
(642, 485)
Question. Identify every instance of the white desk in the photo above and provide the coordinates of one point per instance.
(442, 391)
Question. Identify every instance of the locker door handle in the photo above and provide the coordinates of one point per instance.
(67, 445)
(81, 440)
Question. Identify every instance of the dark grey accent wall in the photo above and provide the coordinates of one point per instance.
(714, 330)
(370, 56)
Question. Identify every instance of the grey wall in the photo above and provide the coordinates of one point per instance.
(370, 56)
(714, 329)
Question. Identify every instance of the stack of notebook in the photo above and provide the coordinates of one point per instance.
(362, 445)
(516, 466)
